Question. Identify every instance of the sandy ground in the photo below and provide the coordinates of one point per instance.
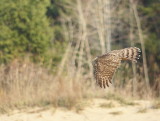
(142, 111)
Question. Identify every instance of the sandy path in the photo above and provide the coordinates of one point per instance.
(91, 113)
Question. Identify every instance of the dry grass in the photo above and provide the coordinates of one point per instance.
(107, 105)
(142, 110)
(26, 84)
(116, 113)
(81, 105)
(120, 99)
(156, 104)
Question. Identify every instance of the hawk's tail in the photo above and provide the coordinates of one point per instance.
(132, 53)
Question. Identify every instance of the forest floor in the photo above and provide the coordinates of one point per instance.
(92, 110)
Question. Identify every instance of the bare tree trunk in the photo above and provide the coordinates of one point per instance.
(100, 25)
(142, 43)
(134, 80)
(84, 39)
(108, 21)
(67, 53)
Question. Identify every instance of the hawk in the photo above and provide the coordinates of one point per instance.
(104, 66)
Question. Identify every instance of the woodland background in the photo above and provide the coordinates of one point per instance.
(47, 46)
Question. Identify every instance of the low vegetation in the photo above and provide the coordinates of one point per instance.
(107, 105)
(142, 110)
(156, 104)
(26, 84)
(121, 99)
(116, 113)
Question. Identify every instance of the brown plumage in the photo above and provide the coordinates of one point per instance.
(105, 65)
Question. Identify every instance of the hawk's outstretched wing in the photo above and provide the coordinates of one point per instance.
(104, 66)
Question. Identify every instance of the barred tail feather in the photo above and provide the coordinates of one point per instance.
(132, 53)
